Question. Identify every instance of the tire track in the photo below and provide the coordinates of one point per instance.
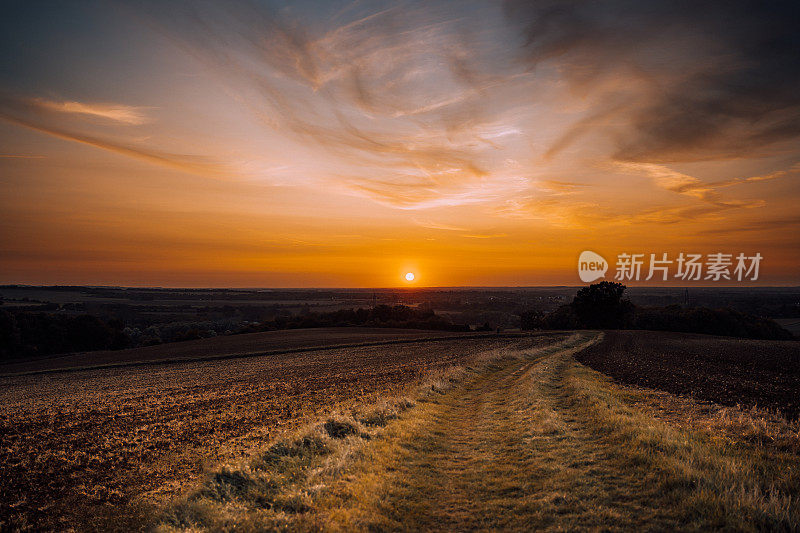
(504, 452)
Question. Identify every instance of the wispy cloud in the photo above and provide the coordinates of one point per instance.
(123, 114)
(794, 169)
(22, 112)
(671, 180)
(556, 187)
(398, 93)
(485, 235)
(580, 215)
(436, 225)
(781, 223)
(409, 96)
(555, 211)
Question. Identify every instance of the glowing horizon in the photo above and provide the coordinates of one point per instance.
(306, 144)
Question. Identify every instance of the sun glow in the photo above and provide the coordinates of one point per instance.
(410, 276)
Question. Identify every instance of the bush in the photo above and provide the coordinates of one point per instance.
(562, 318)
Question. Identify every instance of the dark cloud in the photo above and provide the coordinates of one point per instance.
(709, 79)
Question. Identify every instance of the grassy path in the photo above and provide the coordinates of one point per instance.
(505, 451)
(531, 441)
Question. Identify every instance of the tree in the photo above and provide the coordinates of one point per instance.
(87, 332)
(600, 305)
(530, 319)
(9, 335)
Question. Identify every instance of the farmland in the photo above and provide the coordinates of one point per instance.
(218, 347)
(406, 430)
(520, 440)
(79, 447)
(750, 373)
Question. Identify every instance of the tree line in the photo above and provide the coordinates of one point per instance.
(27, 334)
(603, 306)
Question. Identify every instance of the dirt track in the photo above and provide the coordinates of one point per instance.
(76, 445)
(547, 444)
(78, 448)
(522, 441)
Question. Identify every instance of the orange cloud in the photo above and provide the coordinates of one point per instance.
(115, 112)
(23, 113)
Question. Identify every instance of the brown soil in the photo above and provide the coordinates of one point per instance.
(729, 371)
(226, 345)
(79, 447)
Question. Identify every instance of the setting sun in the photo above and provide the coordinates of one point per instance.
(432, 248)
(459, 153)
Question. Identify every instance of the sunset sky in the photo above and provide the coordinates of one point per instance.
(320, 144)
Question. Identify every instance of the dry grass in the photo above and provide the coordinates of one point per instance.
(313, 465)
(96, 450)
(514, 441)
(723, 467)
(728, 426)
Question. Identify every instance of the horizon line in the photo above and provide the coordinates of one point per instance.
(387, 288)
